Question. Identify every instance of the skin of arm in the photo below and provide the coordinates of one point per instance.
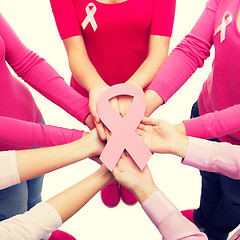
(52, 158)
(157, 53)
(163, 137)
(129, 175)
(79, 194)
(87, 76)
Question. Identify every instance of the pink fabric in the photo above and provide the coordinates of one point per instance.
(120, 43)
(8, 169)
(219, 100)
(17, 101)
(17, 134)
(32, 225)
(168, 219)
(216, 157)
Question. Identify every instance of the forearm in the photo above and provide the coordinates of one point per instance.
(158, 52)
(43, 78)
(27, 134)
(153, 101)
(79, 194)
(143, 191)
(84, 72)
(82, 68)
(222, 158)
(146, 72)
(34, 224)
(205, 126)
(49, 159)
(168, 219)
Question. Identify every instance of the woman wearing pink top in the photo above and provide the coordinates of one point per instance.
(20, 117)
(218, 105)
(110, 42)
(218, 157)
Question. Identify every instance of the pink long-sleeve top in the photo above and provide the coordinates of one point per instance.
(32, 225)
(19, 115)
(205, 155)
(219, 100)
(120, 43)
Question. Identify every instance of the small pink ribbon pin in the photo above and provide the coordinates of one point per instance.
(222, 28)
(90, 17)
(123, 129)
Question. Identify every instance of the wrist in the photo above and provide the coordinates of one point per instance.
(105, 175)
(98, 85)
(143, 191)
(153, 101)
(180, 146)
(135, 83)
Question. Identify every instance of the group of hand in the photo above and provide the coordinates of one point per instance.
(159, 135)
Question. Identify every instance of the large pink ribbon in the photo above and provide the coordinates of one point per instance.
(123, 129)
(222, 28)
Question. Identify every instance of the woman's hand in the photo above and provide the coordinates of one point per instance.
(129, 175)
(162, 137)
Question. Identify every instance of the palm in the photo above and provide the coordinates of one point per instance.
(159, 135)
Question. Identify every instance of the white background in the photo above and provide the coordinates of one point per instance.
(34, 23)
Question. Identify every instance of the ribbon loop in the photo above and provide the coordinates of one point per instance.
(90, 17)
(222, 28)
(123, 129)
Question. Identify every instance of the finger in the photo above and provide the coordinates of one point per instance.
(115, 105)
(149, 121)
(94, 113)
(100, 129)
(141, 126)
(139, 132)
(107, 133)
(116, 173)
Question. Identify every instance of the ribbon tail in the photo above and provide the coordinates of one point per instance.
(138, 151)
(111, 153)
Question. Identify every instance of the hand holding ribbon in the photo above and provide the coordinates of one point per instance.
(123, 130)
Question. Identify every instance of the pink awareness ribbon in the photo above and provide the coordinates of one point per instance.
(123, 129)
(90, 17)
(222, 28)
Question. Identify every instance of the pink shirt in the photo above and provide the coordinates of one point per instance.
(17, 101)
(120, 43)
(219, 100)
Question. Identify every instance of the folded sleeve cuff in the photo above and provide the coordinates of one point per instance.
(158, 207)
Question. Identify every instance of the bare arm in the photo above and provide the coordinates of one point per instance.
(36, 162)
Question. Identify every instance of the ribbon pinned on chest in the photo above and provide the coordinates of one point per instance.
(222, 28)
(123, 129)
(90, 17)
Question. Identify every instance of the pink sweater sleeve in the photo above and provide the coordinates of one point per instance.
(216, 157)
(187, 56)
(216, 124)
(8, 169)
(27, 134)
(40, 75)
(168, 219)
(32, 225)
